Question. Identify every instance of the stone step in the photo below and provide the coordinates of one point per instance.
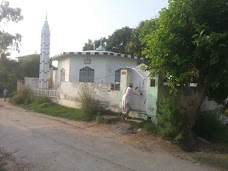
(135, 120)
(138, 115)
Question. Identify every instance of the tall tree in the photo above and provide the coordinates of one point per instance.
(9, 41)
(29, 65)
(92, 45)
(191, 44)
(88, 46)
(8, 68)
(119, 39)
(9, 74)
(137, 43)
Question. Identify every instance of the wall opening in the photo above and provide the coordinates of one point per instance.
(86, 75)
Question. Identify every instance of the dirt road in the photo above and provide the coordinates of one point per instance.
(32, 141)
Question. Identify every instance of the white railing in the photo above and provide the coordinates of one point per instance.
(48, 93)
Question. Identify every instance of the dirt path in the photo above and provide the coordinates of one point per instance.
(32, 141)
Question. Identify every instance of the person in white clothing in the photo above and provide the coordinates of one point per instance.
(126, 99)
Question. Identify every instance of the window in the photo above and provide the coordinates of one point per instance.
(86, 75)
(117, 75)
(152, 83)
(63, 74)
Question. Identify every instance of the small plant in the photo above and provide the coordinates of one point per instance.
(88, 103)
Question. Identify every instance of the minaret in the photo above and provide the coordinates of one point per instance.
(44, 56)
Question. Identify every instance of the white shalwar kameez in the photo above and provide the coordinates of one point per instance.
(126, 99)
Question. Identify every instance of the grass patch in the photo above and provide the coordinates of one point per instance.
(147, 126)
(217, 160)
(62, 111)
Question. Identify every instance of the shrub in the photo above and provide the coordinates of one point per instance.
(209, 126)
(88, 103)
(24, 96)
(173, 123)
(42, 99)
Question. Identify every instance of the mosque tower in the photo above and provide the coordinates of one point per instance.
(44, 56)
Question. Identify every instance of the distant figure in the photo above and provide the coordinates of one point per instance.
(5, 94)
(127, 96)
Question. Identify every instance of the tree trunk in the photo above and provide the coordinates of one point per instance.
(197, 102)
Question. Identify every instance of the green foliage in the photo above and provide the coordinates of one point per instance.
(7, 14)
(8, 74)
(210, 127)
(8, 68)
(172, 122)
(138, 43)
(42, 100)
(29, 65)
(61, 111)
(92, 45)
(88, 103)
(117, 42)
(189, 44)
(23, 97)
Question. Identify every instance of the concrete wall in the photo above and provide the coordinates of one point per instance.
(32, 83)
(69, 94)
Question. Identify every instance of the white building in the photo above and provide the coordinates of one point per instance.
(91, 66)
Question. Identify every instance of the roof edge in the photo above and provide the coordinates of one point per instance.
(109, 53)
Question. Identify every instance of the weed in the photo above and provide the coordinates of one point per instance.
(88, 103)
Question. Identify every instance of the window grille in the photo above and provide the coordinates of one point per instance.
(86, 75)
(117, 76)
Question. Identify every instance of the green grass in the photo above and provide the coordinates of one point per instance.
(216, 160)
(62, 111)
(147, 126)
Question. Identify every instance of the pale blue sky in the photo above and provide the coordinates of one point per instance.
(73, 22)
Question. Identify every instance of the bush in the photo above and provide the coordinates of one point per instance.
(24, 96)
(173, 123)
(42, 100)
(88, 103)
(209, 126)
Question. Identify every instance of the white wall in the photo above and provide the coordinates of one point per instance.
(32, 83)
(69, 94)
(98, 63)
(114, 63)
(104, 66)
(63, 63)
